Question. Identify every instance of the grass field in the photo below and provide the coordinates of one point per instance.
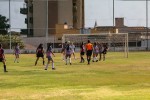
(117, 78)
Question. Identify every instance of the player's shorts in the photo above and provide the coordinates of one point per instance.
(82, 53)
(96, 53)
(49, 58)
(39, 55)
(1, 59)
(89, 53)
(16, 53)
(104, 52)
(68, 54)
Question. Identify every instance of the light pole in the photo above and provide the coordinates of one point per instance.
(9, 27)
(46, 35)
(65, 25)
(147, 23)
(113, 12)
(28, 17)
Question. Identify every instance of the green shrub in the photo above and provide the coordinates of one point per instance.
(5, 41)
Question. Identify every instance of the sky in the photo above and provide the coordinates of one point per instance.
(101, 11)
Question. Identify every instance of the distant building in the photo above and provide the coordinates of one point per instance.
(120, 27)
(137, 34)
(59, 12)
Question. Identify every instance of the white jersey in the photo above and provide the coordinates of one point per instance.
(73, 48)
(96, 49)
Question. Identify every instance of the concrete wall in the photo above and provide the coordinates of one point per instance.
(65, 12)
(39, 18)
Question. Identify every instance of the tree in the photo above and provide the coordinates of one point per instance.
(3, 25)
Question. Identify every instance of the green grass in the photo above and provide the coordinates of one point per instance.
(117, 78)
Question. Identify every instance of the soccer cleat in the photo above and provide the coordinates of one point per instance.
(6, 71)
(53, 68)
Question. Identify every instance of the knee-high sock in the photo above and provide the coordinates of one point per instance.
(15, 59)
(5, 68)
(66, 60)
(46, 66)
(69, 60)
(43, 62)
(83, 59)
(53, 65)
(95, 58)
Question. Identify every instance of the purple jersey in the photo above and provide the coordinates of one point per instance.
(17, 50)
(49, 52)
(96, 49)
(1, 52)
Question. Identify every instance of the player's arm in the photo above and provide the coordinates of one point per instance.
(53, 54)
(74, 47)
(36, 50)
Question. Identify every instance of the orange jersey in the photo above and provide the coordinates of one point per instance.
(89, 46)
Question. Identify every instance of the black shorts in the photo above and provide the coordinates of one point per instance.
(39, 55)
(104, 52)
(89, 53)
(1, 59)
(81, 53)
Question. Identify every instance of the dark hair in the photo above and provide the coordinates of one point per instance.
(81, 44)
(49, 47)
(88, 41)
(0, 45)
(67, 47)
(40, 46)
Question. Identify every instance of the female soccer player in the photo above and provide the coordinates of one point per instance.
(63, 50)
(100, 45)
(16, 52)
(104, 51)
(68, 52)
(39, 53)
(82, 51)
(49, 54)
(2, 57)
(73, 50)
(95, 52)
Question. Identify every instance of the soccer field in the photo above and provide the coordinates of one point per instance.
(117, 78)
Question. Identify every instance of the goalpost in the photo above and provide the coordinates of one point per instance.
(115, 41)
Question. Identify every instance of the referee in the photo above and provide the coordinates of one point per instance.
(89, 49)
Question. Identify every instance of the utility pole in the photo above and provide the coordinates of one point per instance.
(10, 26)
